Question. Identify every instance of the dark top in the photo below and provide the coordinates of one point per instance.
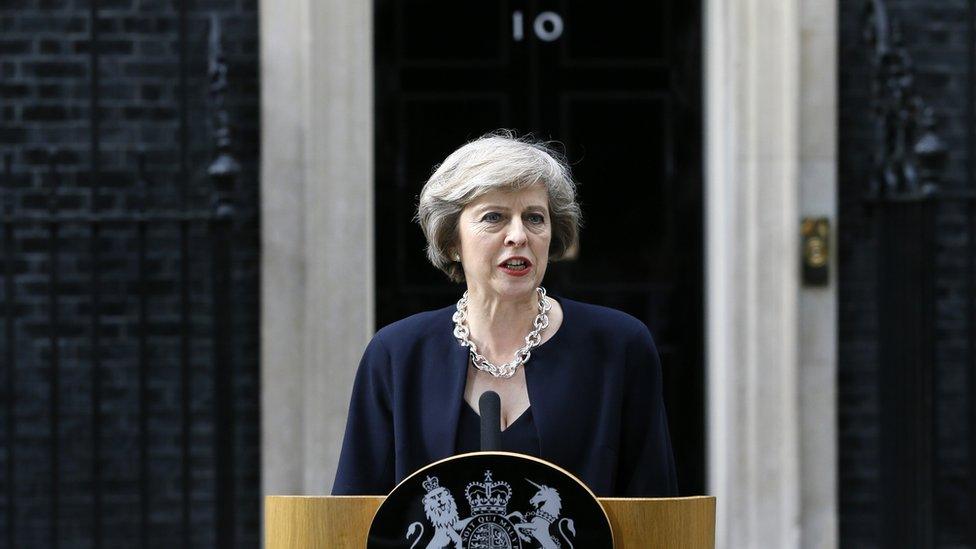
(520, 436)
(594, 388)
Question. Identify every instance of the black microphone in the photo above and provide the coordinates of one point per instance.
(490, 408)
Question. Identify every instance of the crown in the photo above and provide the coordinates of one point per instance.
(431, 484)
(488, 497)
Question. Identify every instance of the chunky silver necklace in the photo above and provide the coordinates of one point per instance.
(532, 340)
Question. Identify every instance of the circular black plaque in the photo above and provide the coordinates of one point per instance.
(490, 500)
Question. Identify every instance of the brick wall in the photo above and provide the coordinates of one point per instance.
(936, 35)
(73, 438)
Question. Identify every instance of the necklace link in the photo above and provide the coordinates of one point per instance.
(462, 333)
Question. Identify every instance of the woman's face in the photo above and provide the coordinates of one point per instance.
(504, 238)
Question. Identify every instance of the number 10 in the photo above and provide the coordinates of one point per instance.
(548, 26)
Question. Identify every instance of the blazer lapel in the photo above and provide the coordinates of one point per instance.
(442, 423)
(540, 386)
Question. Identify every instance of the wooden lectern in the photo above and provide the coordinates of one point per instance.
(339, 522)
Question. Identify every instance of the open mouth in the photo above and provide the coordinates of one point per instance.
(516, 264)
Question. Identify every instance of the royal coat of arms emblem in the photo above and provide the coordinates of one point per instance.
(491, 525)
(490, 500)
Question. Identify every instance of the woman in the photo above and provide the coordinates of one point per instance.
(580, 385)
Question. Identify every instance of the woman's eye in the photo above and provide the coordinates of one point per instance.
(536, 219)
(492, 217)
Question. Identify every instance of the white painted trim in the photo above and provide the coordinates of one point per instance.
(719, 121)
(818, 305)
(317, 232)
(752, 135)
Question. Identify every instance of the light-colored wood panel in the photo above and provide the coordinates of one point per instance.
(678, 523)
(304, 522)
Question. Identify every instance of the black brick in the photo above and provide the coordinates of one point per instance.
(56, 69)
(166, 24)
(8, 70)
(14, 91)
(44, 113)
(148, 69)
(116, 4)
(107, 26)
(50, 91)
(10, 47)
(51, 24)
(105, 47)
(142, 25)
(155, 48)
(50, 46)
(12, 136)
(150, 92)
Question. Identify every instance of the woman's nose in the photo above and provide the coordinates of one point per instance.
(516, 234)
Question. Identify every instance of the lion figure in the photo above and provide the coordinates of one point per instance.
(442, 512)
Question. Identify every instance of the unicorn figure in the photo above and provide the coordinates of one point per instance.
(546, 513)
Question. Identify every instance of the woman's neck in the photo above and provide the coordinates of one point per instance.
(499, 326)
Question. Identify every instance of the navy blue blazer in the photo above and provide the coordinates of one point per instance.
(594, 388)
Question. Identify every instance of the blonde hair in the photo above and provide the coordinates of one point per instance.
(498, 160)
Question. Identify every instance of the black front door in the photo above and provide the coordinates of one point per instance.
(619, 86)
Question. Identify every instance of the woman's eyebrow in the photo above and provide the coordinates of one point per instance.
(483, 207)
